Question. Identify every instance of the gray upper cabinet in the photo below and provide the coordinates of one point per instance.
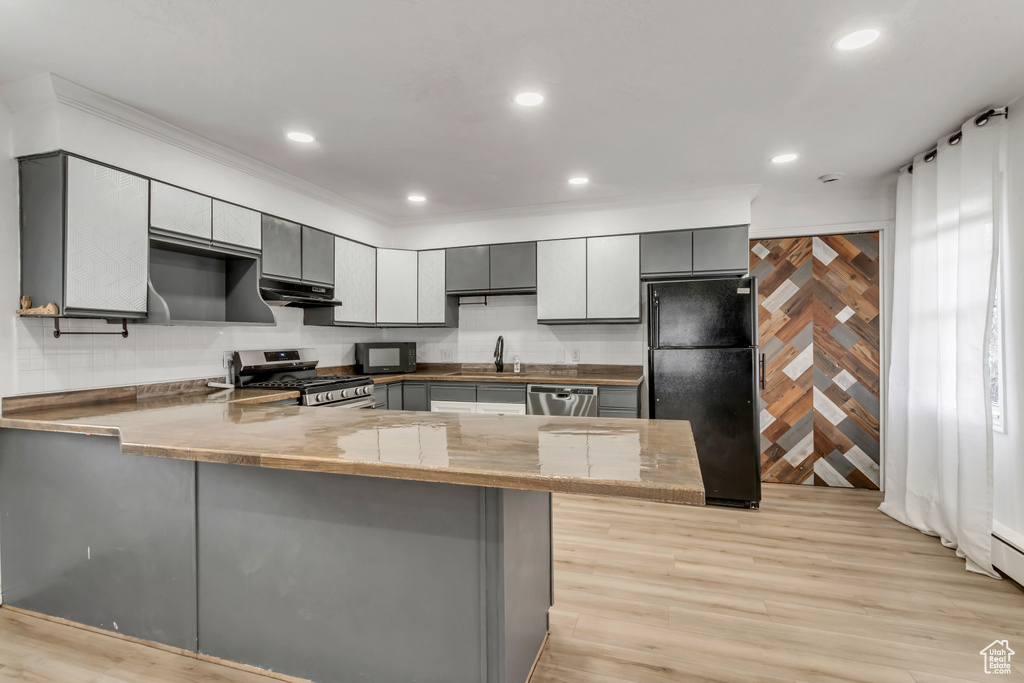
(86, 249)
(180, 211)
(467, 269)
(666, 254)
(236, 225)
(282, 249)
(721, 250)
(613, 279)
(513, 267)
(317, 256)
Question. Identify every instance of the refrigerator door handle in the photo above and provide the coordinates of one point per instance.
(762, 364)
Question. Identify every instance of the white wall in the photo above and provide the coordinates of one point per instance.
(1009, 447)
(9, 262)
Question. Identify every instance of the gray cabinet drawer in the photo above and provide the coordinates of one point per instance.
(617, 397)
(498, 393)
(380, 396)
(514, 267)
(617, 412)
(317, 256)
(467, 269)
(452, 391)
(282, 248)
(666, 253)
(721, 250)
(414, 396)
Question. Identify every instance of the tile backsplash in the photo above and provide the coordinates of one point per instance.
(158, 353)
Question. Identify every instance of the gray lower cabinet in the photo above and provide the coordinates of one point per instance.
(236, 225)
(501, 393)
(618, 401)
(452, 391)
(282, 249)
(380, 396)
(721, 250)
(414, 396)
(180, 211)
(467, 269)
(84, 237)
(513, 267)
(395, 396)
(666, 254)
(317, 256)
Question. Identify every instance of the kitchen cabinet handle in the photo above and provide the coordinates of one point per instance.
(762, 364)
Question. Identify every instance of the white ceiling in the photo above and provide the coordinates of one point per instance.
(644, 96)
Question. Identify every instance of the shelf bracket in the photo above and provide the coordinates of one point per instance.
(58, 334)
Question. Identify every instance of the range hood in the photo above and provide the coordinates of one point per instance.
(297, 294)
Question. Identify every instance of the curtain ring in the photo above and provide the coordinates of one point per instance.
(910, 169)
(955, 138)
(930, 156)
(983, 119)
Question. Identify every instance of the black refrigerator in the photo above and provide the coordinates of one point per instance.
(703, 368)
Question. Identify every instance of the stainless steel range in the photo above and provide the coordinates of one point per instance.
(295, 370)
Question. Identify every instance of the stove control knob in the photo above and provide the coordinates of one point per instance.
(346, 393)
(367, 390)
(329, 397)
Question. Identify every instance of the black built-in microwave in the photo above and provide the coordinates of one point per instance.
(377, 357)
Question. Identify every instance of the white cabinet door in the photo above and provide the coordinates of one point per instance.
(236, 225)
(613, 278)
(107, 265)
(355, 282)
(396, 287)
(181, 211)
(452, 407)
(431, 287)
(562, 279)
(501, 408)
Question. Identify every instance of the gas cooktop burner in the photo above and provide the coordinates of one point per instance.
(295, 369)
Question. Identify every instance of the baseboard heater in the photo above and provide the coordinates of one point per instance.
(1008, 551)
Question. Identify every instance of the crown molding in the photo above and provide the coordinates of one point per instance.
(95, 104)
(737, 192)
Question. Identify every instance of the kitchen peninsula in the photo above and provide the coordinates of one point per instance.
(309, 541)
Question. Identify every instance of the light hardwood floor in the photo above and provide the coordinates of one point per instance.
(815, 586)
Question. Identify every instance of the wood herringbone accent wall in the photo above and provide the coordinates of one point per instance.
(818, 306)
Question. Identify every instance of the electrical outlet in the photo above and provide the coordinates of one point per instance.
(559, 355)
(226, 360)
(446, 355)
(575, 355)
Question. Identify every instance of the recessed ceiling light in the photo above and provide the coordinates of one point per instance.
(857, 39)
(783, 158)
(299, 136)
(417, 198)
(529, 99)
(579, 180)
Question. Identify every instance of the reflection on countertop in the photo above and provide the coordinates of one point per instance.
(645, 459)
(610, 375)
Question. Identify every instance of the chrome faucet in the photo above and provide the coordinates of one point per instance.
(499, 352)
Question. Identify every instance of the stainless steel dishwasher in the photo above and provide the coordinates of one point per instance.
(549, 399)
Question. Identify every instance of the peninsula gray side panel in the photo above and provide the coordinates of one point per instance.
(42, 229)
(341, 578)
(526, 551)
(97, 537)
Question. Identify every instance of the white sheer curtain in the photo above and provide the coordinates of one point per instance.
(938, 473)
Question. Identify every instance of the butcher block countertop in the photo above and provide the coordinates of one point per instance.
(629, 458)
